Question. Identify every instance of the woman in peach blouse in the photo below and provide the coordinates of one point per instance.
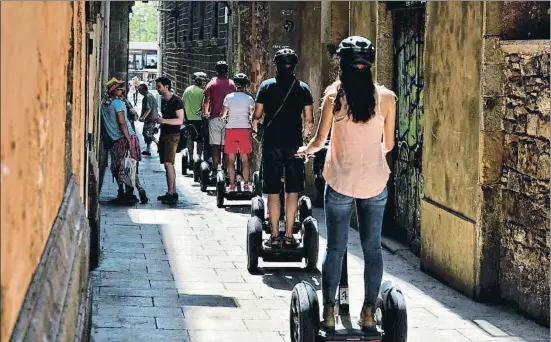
(361, 115)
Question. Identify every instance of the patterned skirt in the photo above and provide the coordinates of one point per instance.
(119, 149)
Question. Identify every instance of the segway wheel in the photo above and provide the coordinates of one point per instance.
(257, 185)
(196, 170)
(254, 242)
(311, 242)
(395, 322)
(304, 208)
(304, 313)
(205, 170)
(220, 190)
(185, 161)
(257, 207)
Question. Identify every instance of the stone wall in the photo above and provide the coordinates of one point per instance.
(192, 38)
(449, 245)
(524, 254)
(44, 235)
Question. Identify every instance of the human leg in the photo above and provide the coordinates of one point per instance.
(370, 222)
(294, 184)
(338, 210)
(272, 171)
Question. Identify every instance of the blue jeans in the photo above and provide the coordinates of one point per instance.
(338, 210)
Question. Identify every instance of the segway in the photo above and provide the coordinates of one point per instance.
(305, 225)
(317, 171)
(222, 181)
(197, 161)
(390, 315)
(187, 132)
(208, 179)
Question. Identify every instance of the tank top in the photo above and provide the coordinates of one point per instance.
(355, 164)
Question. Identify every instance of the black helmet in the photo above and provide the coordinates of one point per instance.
(356, 51)
(199, 77)
(221, 67)
(286, 56)
(241, 80)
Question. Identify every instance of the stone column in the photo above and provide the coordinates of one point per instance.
(118, 39)
(490, 155)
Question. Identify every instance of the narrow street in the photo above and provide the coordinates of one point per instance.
(179, 274)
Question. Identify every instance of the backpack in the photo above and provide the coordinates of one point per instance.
(106, 140)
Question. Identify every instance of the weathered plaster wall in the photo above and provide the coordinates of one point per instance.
(453, 43)
(310, 69)
(42, 152)
(252, 50)
(33, 147)
(524, 257)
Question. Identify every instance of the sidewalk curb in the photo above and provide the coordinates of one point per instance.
(401, 250)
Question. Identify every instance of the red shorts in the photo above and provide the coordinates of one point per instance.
(238, 140)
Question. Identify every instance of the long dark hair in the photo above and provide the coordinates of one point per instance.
(358, 88)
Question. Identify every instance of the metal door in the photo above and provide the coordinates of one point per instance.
(409, 29)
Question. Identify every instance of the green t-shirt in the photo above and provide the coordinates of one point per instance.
(193, 99)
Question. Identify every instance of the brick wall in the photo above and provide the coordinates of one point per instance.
(524, 254)
(193, 38)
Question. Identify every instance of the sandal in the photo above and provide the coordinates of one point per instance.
(290, 242)
(272, 242)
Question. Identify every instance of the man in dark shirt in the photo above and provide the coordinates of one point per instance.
(172, 109)
(282, 101)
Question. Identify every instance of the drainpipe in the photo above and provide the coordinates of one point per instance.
(106, 19)
(159, 50)
(229, 37)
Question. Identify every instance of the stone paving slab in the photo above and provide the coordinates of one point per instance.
(179, 274)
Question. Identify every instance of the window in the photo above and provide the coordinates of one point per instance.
(215, 20)
(150, 60)
(130, 61)
(139, 62)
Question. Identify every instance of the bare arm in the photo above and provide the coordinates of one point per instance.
(308, 121)
(258, 113)
(145, 113)
(206, 104)
(324, 127)
(121, 120)
(224, 113)
(175, 122)
(390, 123)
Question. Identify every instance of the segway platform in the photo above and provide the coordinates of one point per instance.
(205, 178)
(283, 254)
(390, 315)
(347, 329)
(222, 181)
(305, 226)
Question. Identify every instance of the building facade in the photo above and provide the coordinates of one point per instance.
(193, 37)
(469, 191)
(51, 163)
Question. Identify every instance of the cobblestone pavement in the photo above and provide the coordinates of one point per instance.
(179, 274)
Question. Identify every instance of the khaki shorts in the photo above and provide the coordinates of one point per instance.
(216, 131)
(167, 147)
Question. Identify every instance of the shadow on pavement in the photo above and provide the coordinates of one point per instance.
(285, 278)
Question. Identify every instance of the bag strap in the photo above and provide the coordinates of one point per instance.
(282, 103)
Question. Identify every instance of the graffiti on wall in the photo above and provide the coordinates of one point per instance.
(408, 180)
